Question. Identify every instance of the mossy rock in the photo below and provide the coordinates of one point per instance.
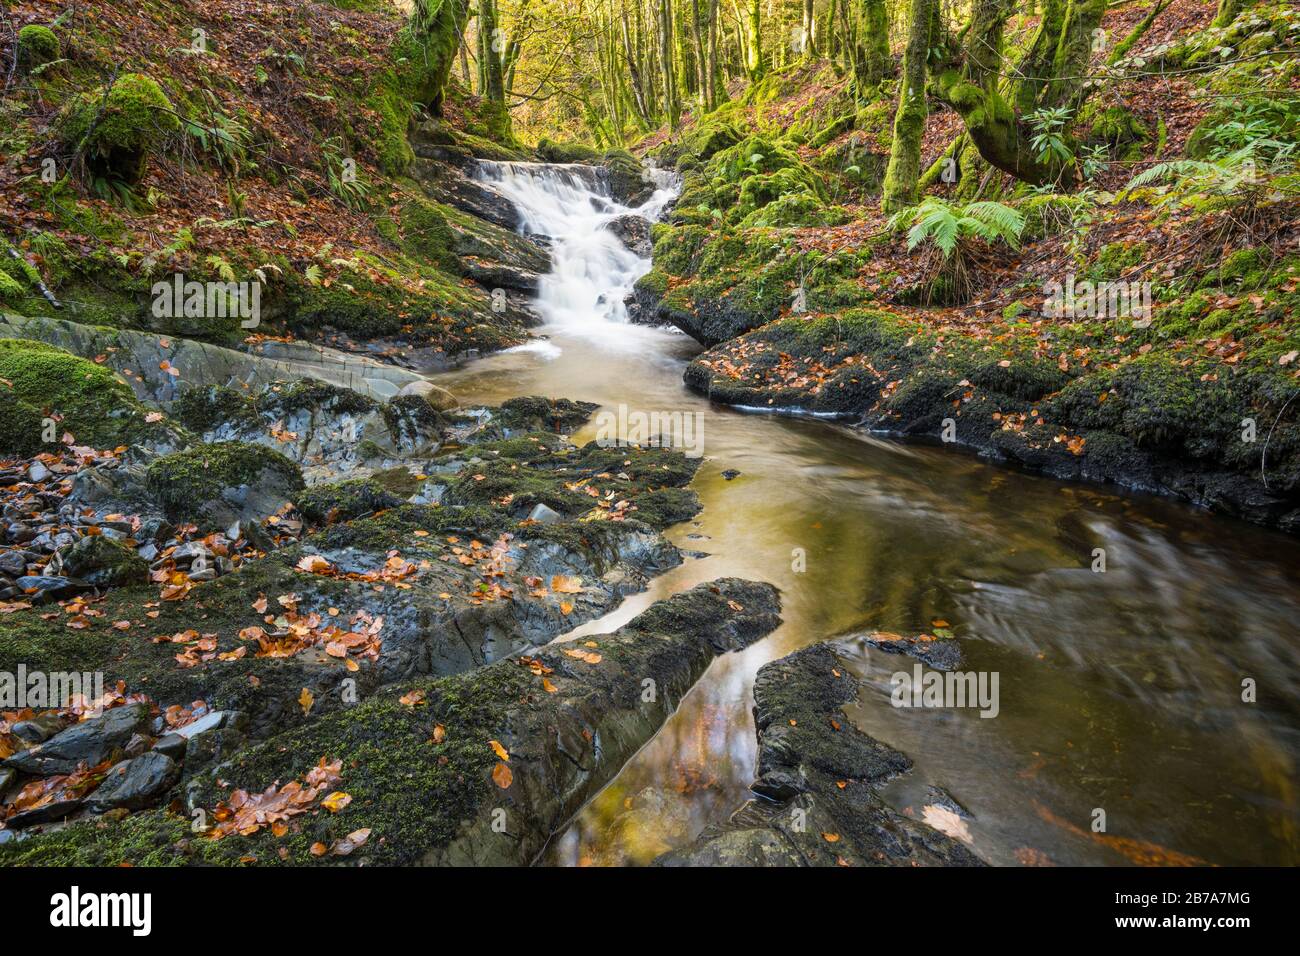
(21, 425)
(553, 152)
(37, 45)
(101, 561)
(117, 129)
(217, 484)
(204, 410)
(344, 500)
(93, 404)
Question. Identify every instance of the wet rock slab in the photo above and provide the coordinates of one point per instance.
(818, 775)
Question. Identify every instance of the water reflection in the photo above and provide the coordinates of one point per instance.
(1120, 690)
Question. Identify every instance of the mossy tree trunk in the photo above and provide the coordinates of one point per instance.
(672, 104)
(807, 36)
(429, 46)
(904, 169)
(754, 50)
(1227, 12)
(871, 57)
(492, 50)
(993, 98)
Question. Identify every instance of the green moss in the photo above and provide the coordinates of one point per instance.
(95, 406)
(1113, 125)
(389, 143)
(553, 152)
(287, 398)
(104, 562)
(186, 481)
(116, 129)
(344, 501)
(21, 425)
(206, 409)
(1117, 259)
(425, 233)
(37, 45)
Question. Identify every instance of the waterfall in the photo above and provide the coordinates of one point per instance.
(571, 207)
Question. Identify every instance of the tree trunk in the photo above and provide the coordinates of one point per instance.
(431, 39)
(904, 169)
(666, 64)
(871, 57)
(806, 37)
(754, 52)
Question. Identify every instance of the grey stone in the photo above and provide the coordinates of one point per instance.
(40, 728)
(135, 783)
(544, 515)
(90, 742)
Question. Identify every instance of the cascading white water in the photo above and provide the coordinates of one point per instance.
(592, 272)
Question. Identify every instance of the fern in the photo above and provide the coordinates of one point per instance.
(946, 225)
(221, 267)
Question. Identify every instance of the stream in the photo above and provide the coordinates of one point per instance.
(1119, 690)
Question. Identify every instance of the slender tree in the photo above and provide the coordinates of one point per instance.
(904, 169)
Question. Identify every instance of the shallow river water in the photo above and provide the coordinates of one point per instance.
(1119, 690)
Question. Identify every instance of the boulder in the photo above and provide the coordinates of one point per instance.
(818, 774)
(102, 562)
(634, 232)
(135, 783)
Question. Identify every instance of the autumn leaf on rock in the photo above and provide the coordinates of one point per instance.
(336, 801)
(502, 776)
(305, 700)
(501, 752)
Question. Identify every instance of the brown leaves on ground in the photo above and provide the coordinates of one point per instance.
(246, 813)
(343, 847)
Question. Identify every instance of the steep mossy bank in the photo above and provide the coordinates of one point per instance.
(1133, 322)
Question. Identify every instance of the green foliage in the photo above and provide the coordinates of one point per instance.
(344, 175)
(946, 226)
(1049, 137)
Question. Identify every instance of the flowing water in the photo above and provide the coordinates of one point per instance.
(1119, 691)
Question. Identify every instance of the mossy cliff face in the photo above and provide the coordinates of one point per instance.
(424, 777)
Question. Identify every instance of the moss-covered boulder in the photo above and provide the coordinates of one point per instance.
(344, 500)
(101, 561)
(84, 399)
(216, 484)
(37, 45)
(21, 425)
(116, 129)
